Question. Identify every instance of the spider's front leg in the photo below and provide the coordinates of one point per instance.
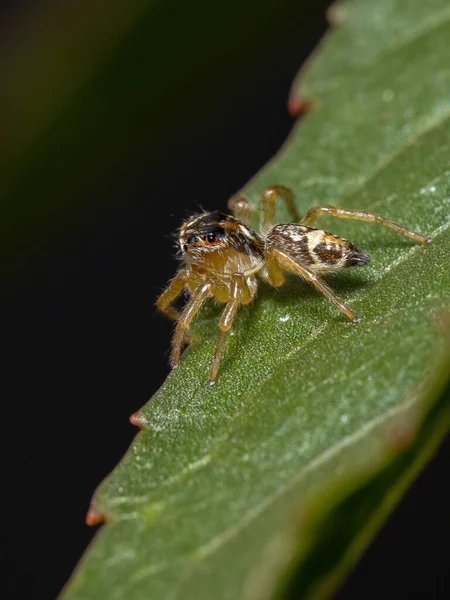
(171, 293)
(361, 215)
(278, 261)
(198, 298)
(226, 321)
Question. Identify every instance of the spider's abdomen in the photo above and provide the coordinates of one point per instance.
(317, 249)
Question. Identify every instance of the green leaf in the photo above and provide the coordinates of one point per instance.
(271, 483)
(311, 556)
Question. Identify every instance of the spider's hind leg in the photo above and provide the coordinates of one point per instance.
(278, 261)
(361, 215)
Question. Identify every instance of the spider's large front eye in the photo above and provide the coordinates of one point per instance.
(211, 238)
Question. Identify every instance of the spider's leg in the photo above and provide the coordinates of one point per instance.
(268, 202)
(190, 311)
(226, 321)
(171, 293)
(361, 215)
(241, 209)
(278, 261)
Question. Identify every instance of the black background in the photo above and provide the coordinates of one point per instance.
(83, 347)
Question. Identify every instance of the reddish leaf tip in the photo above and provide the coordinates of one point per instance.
(297, 105)
(334, 16)
(136, 420)
(94, 517)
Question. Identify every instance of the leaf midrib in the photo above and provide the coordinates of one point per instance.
(204, 551)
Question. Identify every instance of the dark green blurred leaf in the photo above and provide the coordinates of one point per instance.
(84, 83)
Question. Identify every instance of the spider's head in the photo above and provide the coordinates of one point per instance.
(205, 233)
(214, 239)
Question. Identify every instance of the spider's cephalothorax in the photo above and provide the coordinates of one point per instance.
(218, 242)
(223, 256)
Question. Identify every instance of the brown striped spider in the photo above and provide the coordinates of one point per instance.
(223, 257)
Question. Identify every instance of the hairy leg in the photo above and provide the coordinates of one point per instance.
(268, 203)
(187, 316)
(278, 261)
(241, 209)
(171, 293)
(361, 215)
(226, 322)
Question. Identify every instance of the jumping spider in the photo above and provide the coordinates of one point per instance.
(223, 255)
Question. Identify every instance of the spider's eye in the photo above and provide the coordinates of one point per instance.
(211, 238)
(192, 240)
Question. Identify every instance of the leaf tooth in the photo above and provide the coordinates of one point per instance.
(94, 516)
(297, 106)
(137, 420)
